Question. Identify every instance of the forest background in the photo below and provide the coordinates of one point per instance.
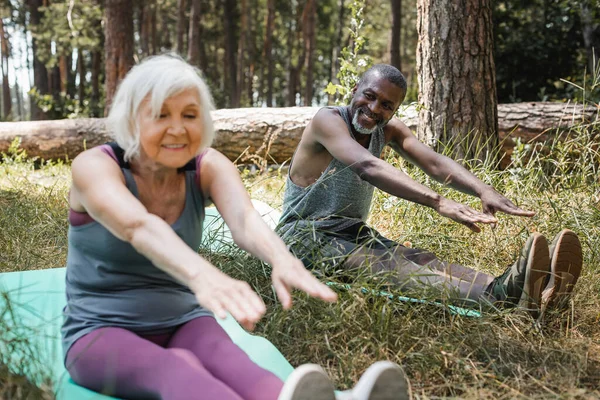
(267, 53)
(257, 53)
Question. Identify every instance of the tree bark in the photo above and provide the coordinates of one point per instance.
(456, 72)
(591, 34)
(95, 99)
(6, 97)
(309, 49)
(181, 4)
(230, 52)
(395, 35)
(40, 74)
(118, 44)
(267, 53)
(337, 48)
(241, 53)
(252, 134)
(82, 73)
(193, 53)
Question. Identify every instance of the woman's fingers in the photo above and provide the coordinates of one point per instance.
(238, 299)
(283, 293)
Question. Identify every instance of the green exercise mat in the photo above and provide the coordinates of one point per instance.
(37, 299)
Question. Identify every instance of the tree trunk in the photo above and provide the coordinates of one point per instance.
(63, 71)
(153, 22)
(395, 36)
(40, 74)
(143, 28)
(309, 49)
(118, 44)
(591, 35)
(241, 53)
(247, 134)
(5, 48)
(96, 67)
(456, 72)
(181, 4)
(193, 53)
(337, 48)
(230, 52)
(19, 95)
(268, 52)
(82, 73)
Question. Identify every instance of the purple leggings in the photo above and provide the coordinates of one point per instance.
(198, 360)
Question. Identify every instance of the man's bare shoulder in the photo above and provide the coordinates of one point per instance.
(326, 122)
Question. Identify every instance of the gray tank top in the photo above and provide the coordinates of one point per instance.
(337, 200)
(108, 283)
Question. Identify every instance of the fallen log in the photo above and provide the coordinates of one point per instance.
(270, 135)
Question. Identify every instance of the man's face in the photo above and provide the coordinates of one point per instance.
(374, 103)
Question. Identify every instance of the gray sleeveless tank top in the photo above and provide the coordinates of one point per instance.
(108, 283)
(337, 200)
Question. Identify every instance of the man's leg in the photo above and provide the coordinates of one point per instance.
(207, 340)
(118, 362)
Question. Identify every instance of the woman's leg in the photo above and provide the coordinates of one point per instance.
(118, 362)
(225, 360)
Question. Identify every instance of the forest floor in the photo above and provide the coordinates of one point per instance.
(501, 355)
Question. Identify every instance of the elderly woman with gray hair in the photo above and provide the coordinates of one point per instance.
(139, 318)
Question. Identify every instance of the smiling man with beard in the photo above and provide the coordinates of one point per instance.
(329, 189)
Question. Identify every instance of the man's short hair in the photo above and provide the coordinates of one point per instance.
(386, 71)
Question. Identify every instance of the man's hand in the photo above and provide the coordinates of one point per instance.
(290, 273)
(492, 201)
(464, 214)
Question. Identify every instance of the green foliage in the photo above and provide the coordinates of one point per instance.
(536, 44)
(67, 28)
(352, 62)
(62, 105)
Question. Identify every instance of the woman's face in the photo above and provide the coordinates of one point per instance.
(175, 137)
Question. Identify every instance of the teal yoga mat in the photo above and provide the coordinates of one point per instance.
(37, 299)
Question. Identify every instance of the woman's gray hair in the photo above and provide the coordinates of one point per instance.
(158, 78)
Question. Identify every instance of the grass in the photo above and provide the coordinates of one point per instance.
(499, 356)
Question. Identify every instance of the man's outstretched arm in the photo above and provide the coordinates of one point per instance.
(330, 131)
(447, 171)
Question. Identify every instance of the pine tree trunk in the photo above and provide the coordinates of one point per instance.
(591, 34)
(193, 53)
(309, 49)
(241, 53)
(395, 36)
(63, 71)
(230, 52)
(82, 73)
(267, 53)
(181, 4)
(95, 99)
(144, 27)
(6, 98)
(153, 36)
(118, 44)
(456, 72)
(40, 74)
(337, 48)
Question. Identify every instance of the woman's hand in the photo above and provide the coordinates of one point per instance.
(220, 294)
(289, 273)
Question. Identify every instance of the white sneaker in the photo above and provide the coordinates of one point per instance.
(307, 382)
(384, 380)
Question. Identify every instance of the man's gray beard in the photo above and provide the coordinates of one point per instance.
(361, 129)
